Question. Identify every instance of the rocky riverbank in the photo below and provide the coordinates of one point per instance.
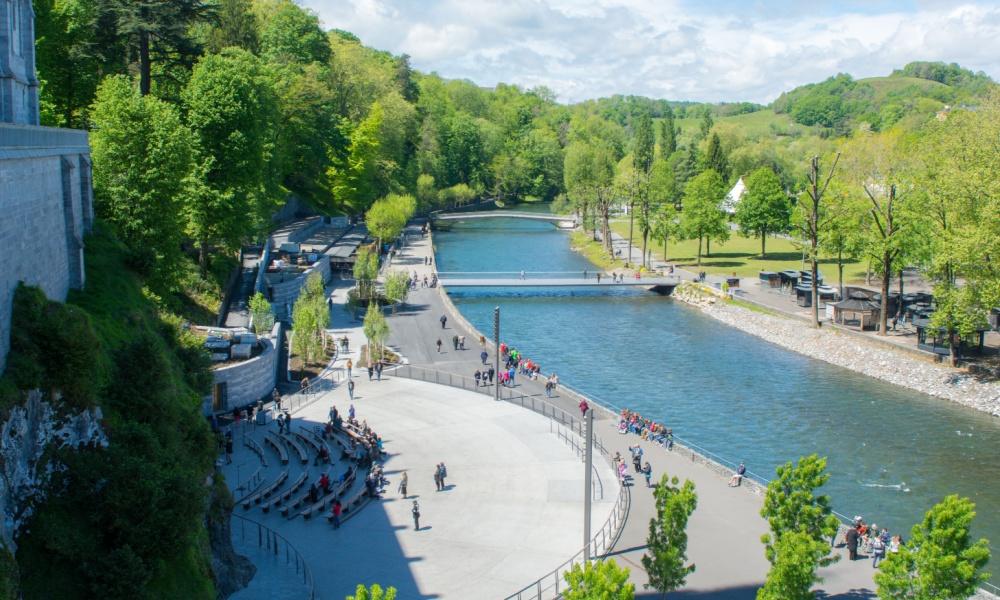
(850, 352)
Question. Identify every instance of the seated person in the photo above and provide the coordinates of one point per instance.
(737, 477)
(324, 483)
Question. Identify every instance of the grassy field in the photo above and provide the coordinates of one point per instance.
(742, 256)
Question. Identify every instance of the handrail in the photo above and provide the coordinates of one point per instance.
(269, 539)
(602, 541)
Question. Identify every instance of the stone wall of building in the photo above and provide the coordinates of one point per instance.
(18, 84)
(250, 380)
(284, 294)
(46, 208)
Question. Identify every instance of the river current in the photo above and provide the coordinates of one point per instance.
(892, 452)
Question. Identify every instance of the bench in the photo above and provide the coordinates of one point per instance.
(279, 448)
(287, 493)
(265, 493)
(256, 449)
(335, 493)
(291, 505)
(303, 456)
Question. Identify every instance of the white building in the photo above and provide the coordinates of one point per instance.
(733, 197)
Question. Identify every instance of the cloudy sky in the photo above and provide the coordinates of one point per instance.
(709, 50)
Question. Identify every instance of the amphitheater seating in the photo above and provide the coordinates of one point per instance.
(277, 500)
(297, 447)
(265, 493)
(270, 440)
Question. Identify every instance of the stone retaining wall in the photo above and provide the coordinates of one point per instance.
(250, 380)
(284, 294)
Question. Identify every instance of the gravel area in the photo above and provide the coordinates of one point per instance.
(852, 353)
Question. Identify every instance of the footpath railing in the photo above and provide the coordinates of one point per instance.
(548, 585)
(251, 533)
(445, 275)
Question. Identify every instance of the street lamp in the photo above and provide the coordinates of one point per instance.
(496, 350)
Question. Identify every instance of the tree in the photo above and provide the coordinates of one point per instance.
(292, 33)
(589, 175)
(601, 580)
(376, 330)
(764, 209)
(715, 157)
(668, 134)
(353, 179)
(794, 570)
(236, 26)
(397, 286)
(388, 216)
(666, 550)
(68, 57)
(666, 225)
(310, 318)
(811, 224)
(790, 505)
(939, 561)
(375, 592)
(261, 314)
(642, 162)
(366, 270)
(702, 216)
(142, 155)
(232, 110)
(427, 194)
(705, 127)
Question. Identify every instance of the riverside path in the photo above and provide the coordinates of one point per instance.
(723, 532)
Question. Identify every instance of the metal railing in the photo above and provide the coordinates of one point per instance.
(548, 585)
(591, 274)
(274, 544)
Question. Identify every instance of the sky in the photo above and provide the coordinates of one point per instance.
(724, 50)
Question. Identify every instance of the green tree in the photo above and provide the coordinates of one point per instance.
(142, 155)
(666, 552)
(375, 592)
(236, 26)
(939, 561)
(706, 124)
(589, 174)
(793, 573)
(668, 134)
(292, 33)
(397, 286)
(601, 580)
(261, 314)
(791, 505)
(232, 109)
(764, 208)
(388, 216)
(67, 56)
(366, 270)
(666, 225)
(644, 149)
(376, 330)
(310, 318)
(715, 157)
(427, 193)
(702, 216)
(353, 179)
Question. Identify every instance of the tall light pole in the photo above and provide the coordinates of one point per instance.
(496, 348)
(588, 464)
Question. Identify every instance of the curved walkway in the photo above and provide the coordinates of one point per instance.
(724, 531)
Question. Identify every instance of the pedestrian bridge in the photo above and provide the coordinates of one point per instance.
(526, 279)
(561, 221)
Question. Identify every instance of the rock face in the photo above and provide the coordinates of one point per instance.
(27, 432)
(231, 571)
(852, 353)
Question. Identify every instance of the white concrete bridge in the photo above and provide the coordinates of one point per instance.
(518, 279)
(561, 221)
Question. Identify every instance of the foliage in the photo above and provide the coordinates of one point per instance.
(388, 216)
(426, 194)
(375, 327)
(939, 561)
(235, 25)
(118, 517)
(375, 592)
(142, 155)
(366, 270)
(291, 33)
(261, 314)
(702, 216)
(790, 505)
(715, 157)
(397, 286)
(668, 134)
(65, 51)
(310, 318)
(601, 580)
(764, 208)
(666, 553)
(353, 178)
(794, 570)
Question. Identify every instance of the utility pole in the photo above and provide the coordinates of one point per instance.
(588, 465)
(496, 348)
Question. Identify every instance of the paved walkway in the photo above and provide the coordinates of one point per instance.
(724, 532)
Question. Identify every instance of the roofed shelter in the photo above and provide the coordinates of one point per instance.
(856, 313)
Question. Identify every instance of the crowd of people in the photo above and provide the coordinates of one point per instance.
(630, 422)
(871, 540)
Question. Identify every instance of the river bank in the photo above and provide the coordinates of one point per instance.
(850, 352)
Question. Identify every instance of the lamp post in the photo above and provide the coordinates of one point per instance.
(588, 464)
(496, 348)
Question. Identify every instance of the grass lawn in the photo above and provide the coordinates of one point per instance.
(742, 256)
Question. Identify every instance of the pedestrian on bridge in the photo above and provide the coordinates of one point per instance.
(483, 356)
(350, 391)
(598, 277)
(647, 471)
(416, 516)
(444, 320)
(478, 376)
(490, 373)
(584, 407)
(439, 345)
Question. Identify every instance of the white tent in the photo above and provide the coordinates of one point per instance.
(733, 197)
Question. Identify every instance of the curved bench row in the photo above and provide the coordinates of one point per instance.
(270, 440)
(265, 493)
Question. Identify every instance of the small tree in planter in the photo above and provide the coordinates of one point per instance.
(397, 286)
(260, 311)
(310, 318)
(376, 330)
(365, 271)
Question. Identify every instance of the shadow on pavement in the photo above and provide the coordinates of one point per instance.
(858, 594)
(743, 592)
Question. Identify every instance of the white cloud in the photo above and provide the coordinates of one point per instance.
(668, 49)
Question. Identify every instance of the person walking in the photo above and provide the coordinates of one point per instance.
(350, 391)
(229, 447)
(402, 484)
(276, 397)
(598, 277)
(335, 512)
(878, 551)
(491, 373)
(350, 412)
(371, 371)
(454, 342)
(647, 471)
(444, 473)
(852, 538)
(461, 342)
(378, 370)
(439, 345)
(548, 388)
(584, 407)
(483, 356)
(444, 320)
(350, 368)
(416, 516)
(437, 478)
(478, 377)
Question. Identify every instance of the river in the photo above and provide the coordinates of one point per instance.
(892, 452)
